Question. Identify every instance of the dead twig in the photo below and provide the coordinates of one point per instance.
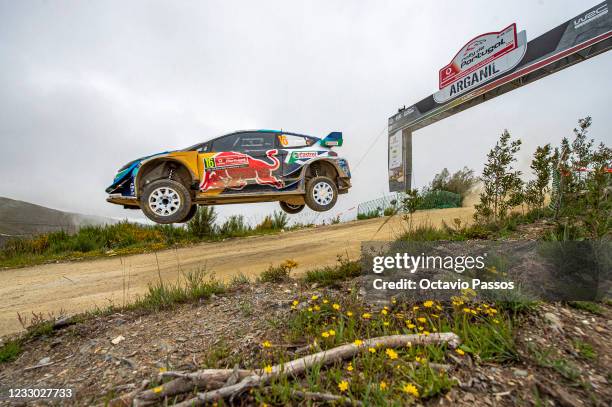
(299, 366)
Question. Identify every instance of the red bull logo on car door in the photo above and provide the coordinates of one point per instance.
(233, 170)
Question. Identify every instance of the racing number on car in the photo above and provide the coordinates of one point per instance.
(209, 162)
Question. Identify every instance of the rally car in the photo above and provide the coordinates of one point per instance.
(245, 166)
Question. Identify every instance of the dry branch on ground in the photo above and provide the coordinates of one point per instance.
(218, 383)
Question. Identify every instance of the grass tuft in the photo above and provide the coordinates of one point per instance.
(331, 275)
(278, 274)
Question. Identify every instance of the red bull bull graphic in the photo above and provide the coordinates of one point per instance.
(233, 170)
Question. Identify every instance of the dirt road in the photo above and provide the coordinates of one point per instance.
(80, 286)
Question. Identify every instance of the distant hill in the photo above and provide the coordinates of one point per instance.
(22, 219)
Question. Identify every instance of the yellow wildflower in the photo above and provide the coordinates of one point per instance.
(349, 314)
(391, 353)
(317, 308)
(410, 389)
(310, 309)
(383, 385)
(336, 307)
(386, 323)
(325, 334)
(158, 389)
(358, 342)
(162, 369)
(467, 310)
(393, 300)
(372, 350)
(295, 302)
(426, 333)
(428, 304)
(410, 325)
(266, 344)
(366, 315)
(343, 385)
(332, 332)
(349, 367)
(460, 351)
(314, 297)
(422, 320)
(325, 301)
(415, 308)
(384, 312)
(268, 369)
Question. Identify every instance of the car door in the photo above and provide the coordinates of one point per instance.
(265, 161)
(222, 164)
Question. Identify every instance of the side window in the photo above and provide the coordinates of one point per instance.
(227, 143)
(203, 148)
(257, 141)
(244, 142)
(293, 141)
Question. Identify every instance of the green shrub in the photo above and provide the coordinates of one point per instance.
(390, 210)
(265, 224)
(278, 274)
(234, 226)
(9, 351)
(375, 213)
(439, 200)
(331, 275)
(194, 285)
(203, 223)
(279, 220)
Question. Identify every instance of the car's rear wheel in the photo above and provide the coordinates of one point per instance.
(290, 208)
(321, 194)
(165, 201)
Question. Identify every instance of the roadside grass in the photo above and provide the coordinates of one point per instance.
(588, 306)
(10, 351)
(549, 358)
(375, 213)
(332, 275)
(194, 286)
(457, 231)
(278, 274)
(379, 376)
(585, 349)
(126, 238)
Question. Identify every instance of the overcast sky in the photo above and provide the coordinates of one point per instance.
(86, 86)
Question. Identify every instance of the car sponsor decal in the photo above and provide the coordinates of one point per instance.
(233, 170)
(301, 156)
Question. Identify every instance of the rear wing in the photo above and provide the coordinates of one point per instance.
(332, 139)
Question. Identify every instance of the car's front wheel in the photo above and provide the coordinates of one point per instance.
(321, 194)
(166, 201)
(291, 209)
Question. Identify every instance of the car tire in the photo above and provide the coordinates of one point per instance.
(190, 214)
(291, 209)
(165, 201)
(321, 193)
